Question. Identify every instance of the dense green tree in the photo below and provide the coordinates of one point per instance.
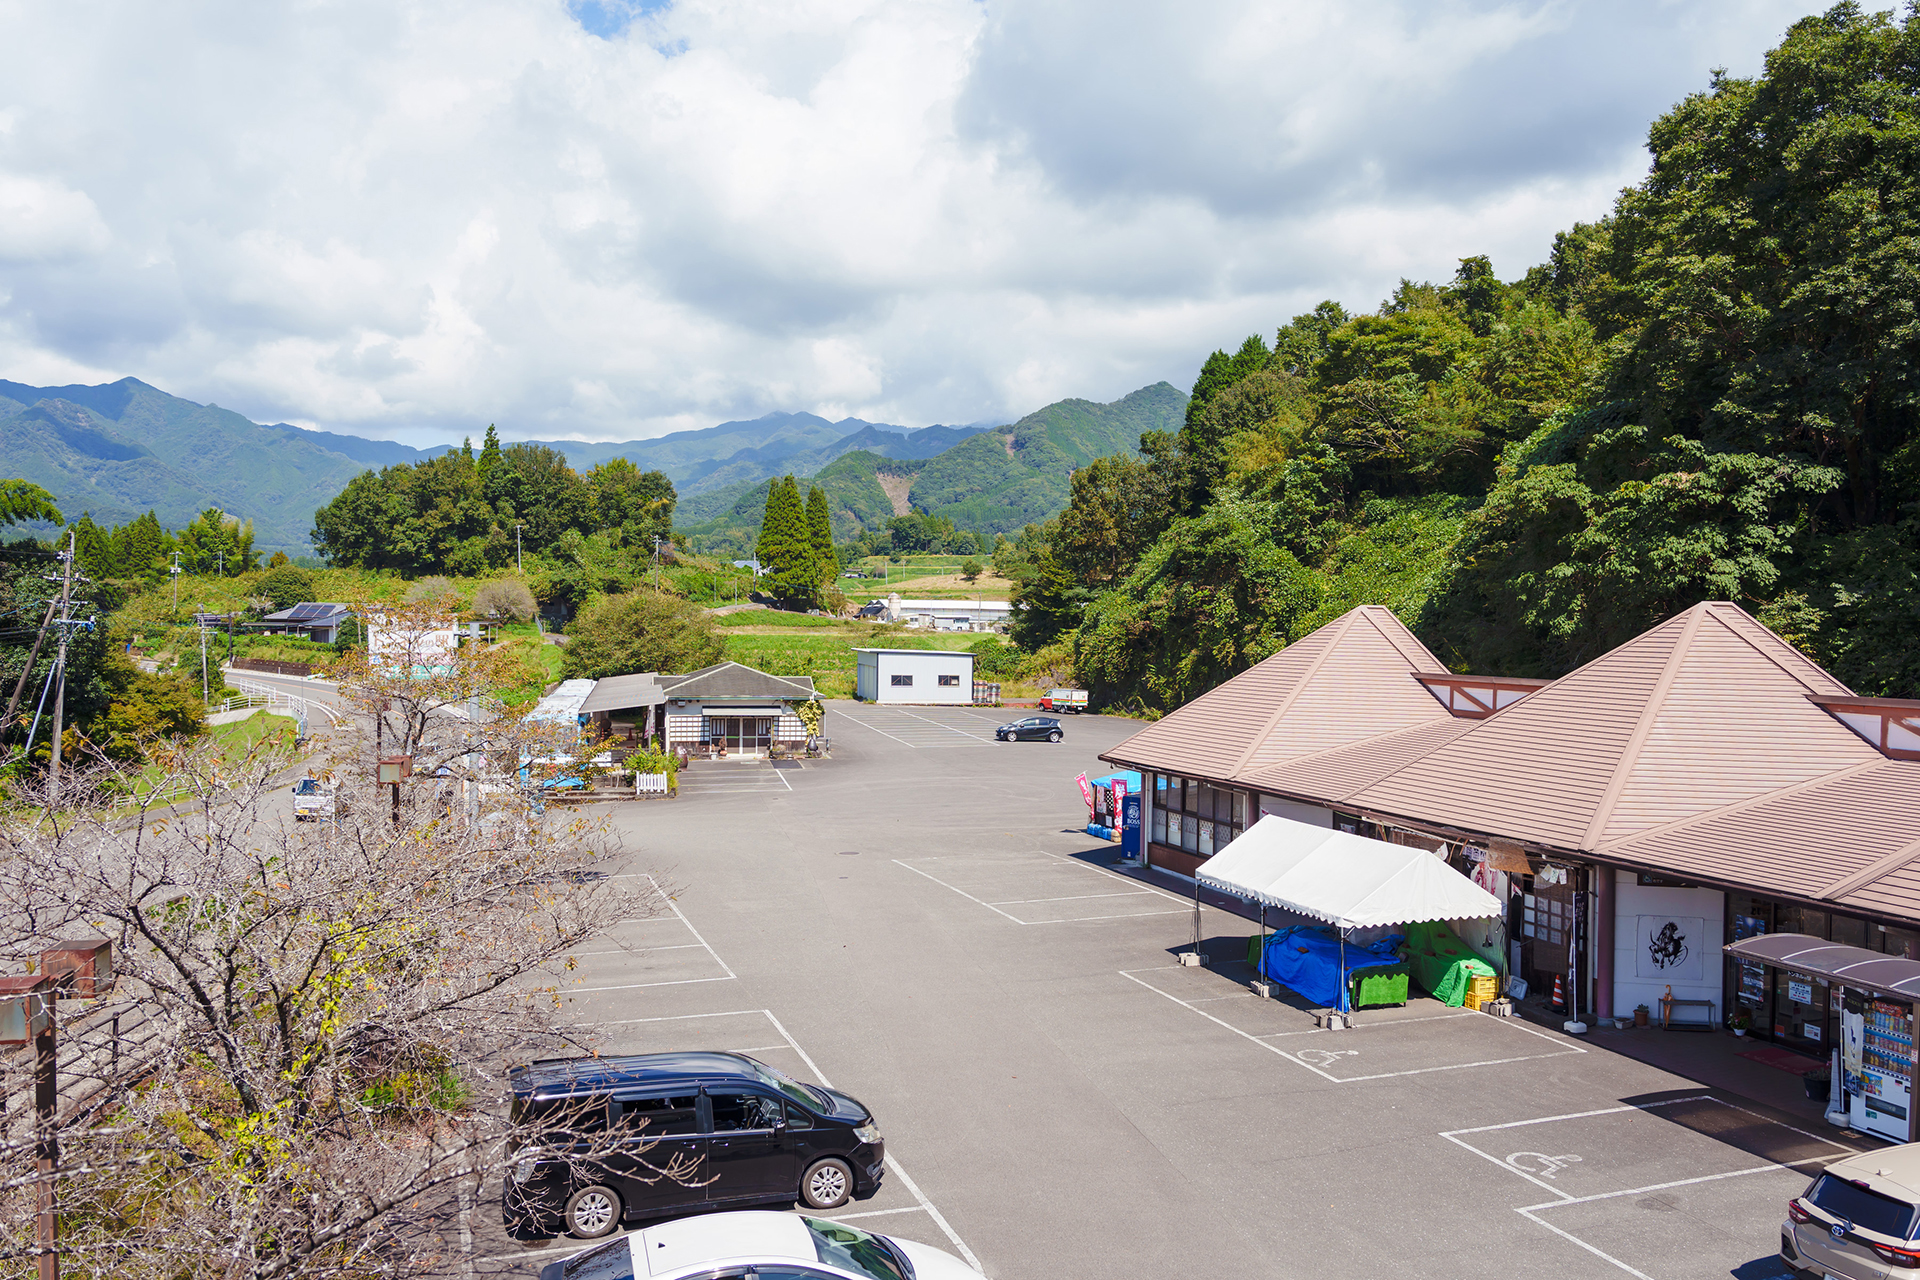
(643, 630)
(22, 501)
(1119, 506)
(820, 530)
(1753, 432)
(632, 506)
(286, 586)
(1210, 598)
(217, 543)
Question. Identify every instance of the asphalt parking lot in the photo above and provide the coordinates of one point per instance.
(919, 922)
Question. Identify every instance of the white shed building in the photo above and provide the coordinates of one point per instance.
(914, 675)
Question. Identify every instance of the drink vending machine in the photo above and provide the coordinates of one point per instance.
(1876, 1057)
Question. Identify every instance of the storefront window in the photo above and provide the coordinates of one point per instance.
(1195, 816)
(1849, 931)
(1896, 941)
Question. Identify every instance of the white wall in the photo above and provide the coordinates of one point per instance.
(1309, 813)
(1699, 914)
(926, 669)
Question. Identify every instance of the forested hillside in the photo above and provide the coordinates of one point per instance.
(1708, 393)
(986, 482)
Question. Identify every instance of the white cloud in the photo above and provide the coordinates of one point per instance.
(418, 218)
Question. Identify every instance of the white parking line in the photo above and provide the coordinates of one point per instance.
(949, 728)
(1532, 1212)
(1251, 1038)
(877, 729)
(698, 941)
(962, 892)
(1079, 897)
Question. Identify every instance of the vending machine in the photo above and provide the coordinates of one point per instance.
(1876, 1054)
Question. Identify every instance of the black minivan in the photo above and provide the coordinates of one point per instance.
(611, 1140)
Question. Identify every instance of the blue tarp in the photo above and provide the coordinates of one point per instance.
(1306, 959)
(1128, 776)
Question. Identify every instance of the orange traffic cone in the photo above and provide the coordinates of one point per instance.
(1559, 995)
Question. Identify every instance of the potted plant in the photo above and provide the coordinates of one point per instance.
(1739, 1022)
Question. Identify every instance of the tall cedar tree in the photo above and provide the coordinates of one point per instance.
(785, 551)
(820, 532)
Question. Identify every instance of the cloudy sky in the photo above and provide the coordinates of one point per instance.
(617, 218)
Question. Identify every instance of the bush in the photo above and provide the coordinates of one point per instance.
(434, 590)
(286, 586)
(644, 630)
(507, 600)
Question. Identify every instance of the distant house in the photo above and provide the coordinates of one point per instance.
(729, 704)
(319, 621)
(940, 615)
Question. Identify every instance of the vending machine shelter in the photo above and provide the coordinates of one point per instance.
(1874, 992)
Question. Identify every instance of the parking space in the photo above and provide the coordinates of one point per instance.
(661, 949)
(922, 728)
(734, 778)
(927, 928)
(1034, 888)
(1421, 1037)
(1663, 1189)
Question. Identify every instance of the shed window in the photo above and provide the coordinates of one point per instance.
(949, 682)
(902, 682)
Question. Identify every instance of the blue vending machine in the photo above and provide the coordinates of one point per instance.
(1130, 827)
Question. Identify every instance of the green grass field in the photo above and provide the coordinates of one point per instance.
(236, 740)
(826, 653)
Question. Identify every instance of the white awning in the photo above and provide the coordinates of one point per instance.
(1347, 880)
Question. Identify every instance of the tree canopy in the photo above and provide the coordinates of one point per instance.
(1711, 392)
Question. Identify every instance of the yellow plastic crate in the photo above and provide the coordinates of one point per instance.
(1482, 989)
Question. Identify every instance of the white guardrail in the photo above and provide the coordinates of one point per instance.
(253, 694)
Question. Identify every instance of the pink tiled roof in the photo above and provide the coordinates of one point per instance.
(1348, 681)
(1851, 838)
(1331, 776)
(1705, 710)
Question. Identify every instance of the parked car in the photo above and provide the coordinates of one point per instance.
(733, 1246)
(1860, 1217)
(1074, 700)
(1032, 729)
(744, 1132)
(313, 798)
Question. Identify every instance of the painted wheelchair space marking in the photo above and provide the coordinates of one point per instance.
(1300, 1059)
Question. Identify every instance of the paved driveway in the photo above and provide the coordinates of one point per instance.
(919, 922)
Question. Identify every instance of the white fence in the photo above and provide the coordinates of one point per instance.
(649, 784)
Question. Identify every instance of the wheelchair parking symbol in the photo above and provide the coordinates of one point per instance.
(1325, 1057)
(1541, 1165)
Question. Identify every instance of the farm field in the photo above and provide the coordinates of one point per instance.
(826, 653)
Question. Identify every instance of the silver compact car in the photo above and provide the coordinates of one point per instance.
(1858, 1219)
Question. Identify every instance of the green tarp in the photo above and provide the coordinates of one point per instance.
(1442, 963)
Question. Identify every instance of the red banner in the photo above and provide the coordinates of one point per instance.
(1086, 791)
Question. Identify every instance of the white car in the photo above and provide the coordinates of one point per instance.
(313, 798)
(759, 1246)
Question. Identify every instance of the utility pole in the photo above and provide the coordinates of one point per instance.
(205, 694)
(656, 562)
(517, 566)
(175, 571)
(60, 676)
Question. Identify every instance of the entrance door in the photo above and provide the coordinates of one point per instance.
(1546, 930)
(751, 1152)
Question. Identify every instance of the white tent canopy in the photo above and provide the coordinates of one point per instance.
(1349, 881)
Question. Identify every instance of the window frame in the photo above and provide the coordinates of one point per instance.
(900, 680)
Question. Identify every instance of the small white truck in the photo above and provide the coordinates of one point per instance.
(1074, 700)
(313, 798)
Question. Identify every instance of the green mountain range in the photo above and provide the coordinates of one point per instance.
(994, 481)
(125, 447)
